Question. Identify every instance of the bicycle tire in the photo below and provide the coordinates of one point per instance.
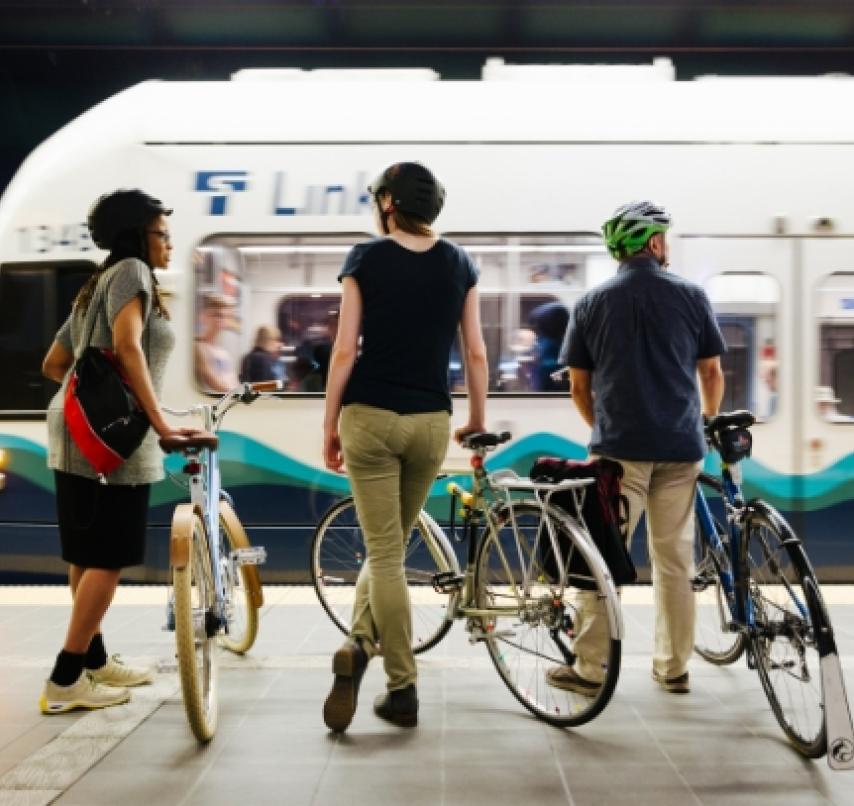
(244, 587)
(713, 640)
(337, 556)
(524, 645)
(196, 648)
(789, 613)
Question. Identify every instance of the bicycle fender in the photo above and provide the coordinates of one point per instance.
(181, 536)
(837, 715)
(238, 533)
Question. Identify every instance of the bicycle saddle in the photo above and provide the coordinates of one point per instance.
(485, 440)
(180, 442)
(733, 419)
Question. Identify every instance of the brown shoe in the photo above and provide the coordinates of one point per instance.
(348, 664)
(674, 685)
(567, 679)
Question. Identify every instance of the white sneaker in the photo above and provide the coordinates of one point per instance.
(115, 672)
(85, 693)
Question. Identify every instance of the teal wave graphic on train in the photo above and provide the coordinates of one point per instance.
(245, 461)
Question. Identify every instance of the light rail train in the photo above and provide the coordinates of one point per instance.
(267, 173)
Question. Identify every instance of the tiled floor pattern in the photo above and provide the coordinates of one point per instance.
(474, 745)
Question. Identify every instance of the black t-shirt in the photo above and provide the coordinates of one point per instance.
(641, 334)
(411, 308)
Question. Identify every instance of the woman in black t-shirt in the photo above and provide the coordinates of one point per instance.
(406, 295)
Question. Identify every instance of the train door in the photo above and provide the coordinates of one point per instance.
(827, 401)
(751, 284)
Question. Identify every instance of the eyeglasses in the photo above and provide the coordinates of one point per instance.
(162, 234)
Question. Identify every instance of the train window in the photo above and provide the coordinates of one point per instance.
(528, 285)
(834, 391)
(268, 305)
(35, 299)
(745, 304)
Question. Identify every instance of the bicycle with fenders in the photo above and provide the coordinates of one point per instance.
(757, 593)
(216, 589)
(524, 614)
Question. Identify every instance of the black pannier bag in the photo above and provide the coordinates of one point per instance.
(605, 511)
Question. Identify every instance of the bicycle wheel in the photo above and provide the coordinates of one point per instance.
(533, 631)
(243, 584)
(194, 627)
(713, 640)
(338, 555)
(789, 613)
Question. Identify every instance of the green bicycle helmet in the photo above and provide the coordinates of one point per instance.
(632, 225)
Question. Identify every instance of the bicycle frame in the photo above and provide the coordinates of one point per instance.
(206, 485)
(734, 583)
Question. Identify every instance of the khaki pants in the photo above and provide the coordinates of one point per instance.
(665, 490)
(392, 460)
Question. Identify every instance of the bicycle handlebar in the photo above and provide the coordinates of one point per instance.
(245, 393)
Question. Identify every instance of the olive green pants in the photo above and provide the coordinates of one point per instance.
(392, 461)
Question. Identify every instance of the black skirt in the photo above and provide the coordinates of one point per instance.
(101, 525)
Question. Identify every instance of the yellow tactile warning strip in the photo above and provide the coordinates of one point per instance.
(58, 595)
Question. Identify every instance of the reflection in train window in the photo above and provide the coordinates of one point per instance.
(35, 299)
(834, 391)
(745, 304)
(288, 286)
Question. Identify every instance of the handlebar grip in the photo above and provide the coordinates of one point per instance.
(267, 386)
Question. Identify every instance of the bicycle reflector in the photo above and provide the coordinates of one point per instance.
(733, 444)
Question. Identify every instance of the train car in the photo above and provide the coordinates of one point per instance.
(267, 173)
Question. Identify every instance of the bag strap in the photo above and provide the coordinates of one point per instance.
(93, 311)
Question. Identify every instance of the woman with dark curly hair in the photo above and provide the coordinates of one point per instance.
(102, 526)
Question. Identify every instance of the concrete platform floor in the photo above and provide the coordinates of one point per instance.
(474, 744)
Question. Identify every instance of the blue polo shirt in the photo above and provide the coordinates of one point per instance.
(640, 334)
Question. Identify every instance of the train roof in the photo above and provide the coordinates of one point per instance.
(573, 104)
(378, 110)
(538, 103)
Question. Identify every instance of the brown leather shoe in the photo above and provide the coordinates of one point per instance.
(567, 679)
(348, 664)
(400, 707)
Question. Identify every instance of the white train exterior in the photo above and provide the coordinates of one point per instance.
(267, 174)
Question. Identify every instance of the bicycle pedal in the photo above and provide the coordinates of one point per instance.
(253, 555)
(700, 583)
(447, 582)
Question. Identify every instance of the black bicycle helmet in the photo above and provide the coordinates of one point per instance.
(413, 190)
(122, 211)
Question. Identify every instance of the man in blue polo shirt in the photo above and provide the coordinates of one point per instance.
(636, 346)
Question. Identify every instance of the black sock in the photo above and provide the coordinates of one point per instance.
(96, 655)
(67, 668)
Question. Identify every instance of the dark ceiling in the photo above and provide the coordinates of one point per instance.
(58, 57)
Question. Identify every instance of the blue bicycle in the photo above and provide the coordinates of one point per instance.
(756, 592)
